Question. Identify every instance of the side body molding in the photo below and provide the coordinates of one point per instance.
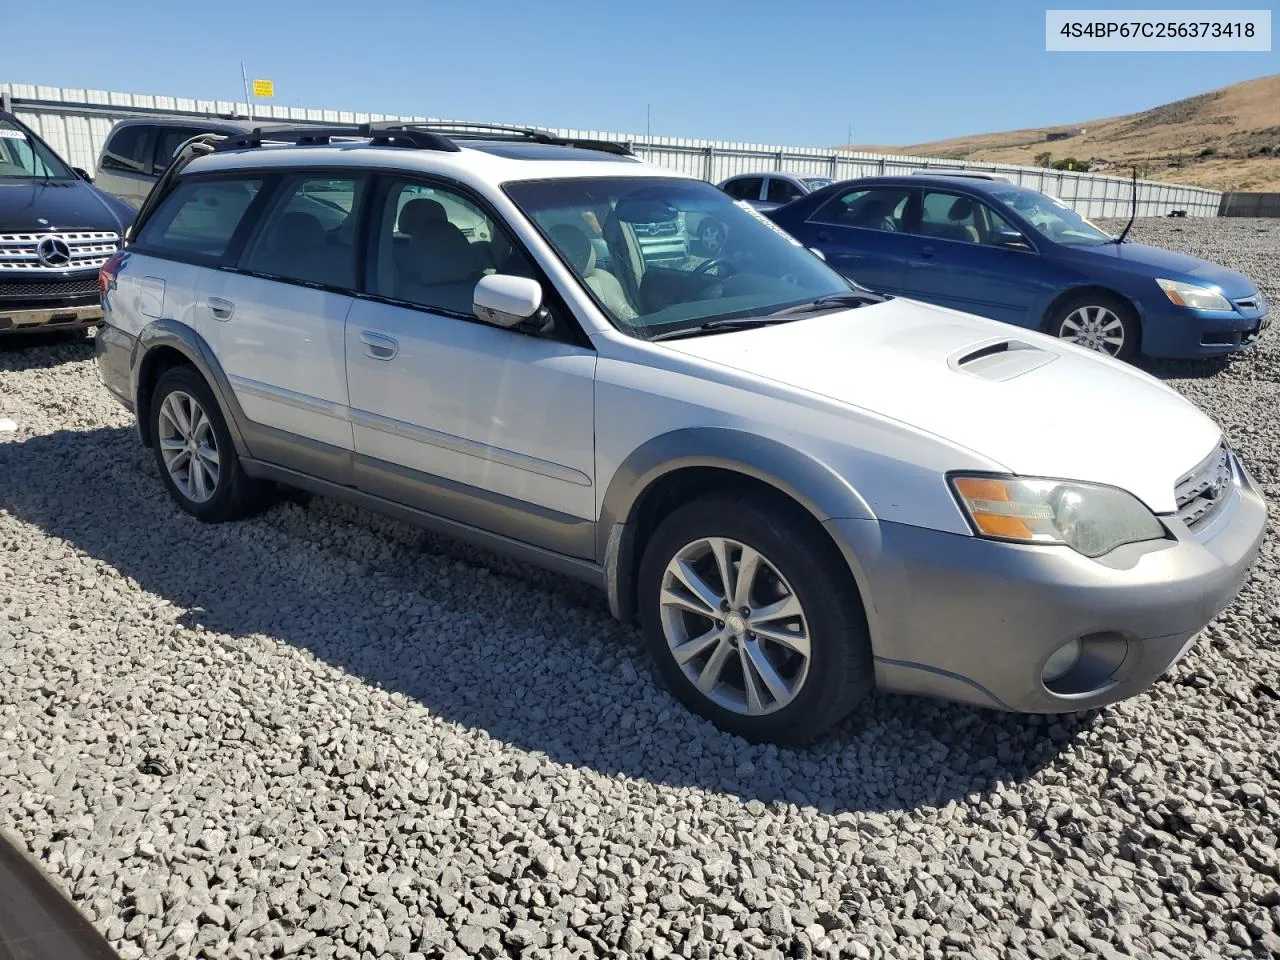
(812, 484)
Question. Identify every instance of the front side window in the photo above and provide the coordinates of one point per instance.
(758, 270)
(1051, 217)
(309, 234)
(781, 191)
(872, 208)
(199, 217)
(433, 245)
(22, 158)
(128, 149)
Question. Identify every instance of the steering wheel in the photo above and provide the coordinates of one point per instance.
(712, 264)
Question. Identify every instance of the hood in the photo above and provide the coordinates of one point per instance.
(1035, 405)
(32, 206)
(1172, 266)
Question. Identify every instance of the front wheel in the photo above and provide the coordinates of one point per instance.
(1098, 322)
(754, 623)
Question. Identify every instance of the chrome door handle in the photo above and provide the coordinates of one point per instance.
(378, 346)
(221, 309)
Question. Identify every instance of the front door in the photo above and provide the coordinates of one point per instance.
(490, 427)
(953, 262)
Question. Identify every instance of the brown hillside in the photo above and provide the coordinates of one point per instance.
(1226, 139)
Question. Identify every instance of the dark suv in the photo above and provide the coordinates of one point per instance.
(56, 230)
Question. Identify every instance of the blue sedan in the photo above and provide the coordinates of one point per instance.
(988, 247)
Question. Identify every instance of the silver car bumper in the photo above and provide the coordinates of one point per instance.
(974, 620)
(22, 321)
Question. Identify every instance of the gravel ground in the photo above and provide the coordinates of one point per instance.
(324, 734)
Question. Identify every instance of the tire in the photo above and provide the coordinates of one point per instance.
(797, 565)
(1094, 321)
(221, 490)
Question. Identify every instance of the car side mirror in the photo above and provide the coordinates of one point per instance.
(82, 173)
(1010, 240)
(510, 302)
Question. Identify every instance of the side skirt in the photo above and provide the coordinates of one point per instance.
(578, 569)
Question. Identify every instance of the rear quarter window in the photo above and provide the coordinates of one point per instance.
(199, 218)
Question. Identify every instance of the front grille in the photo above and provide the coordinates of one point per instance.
(88, 250)
(41, 289)
(658, 229)
(1201, 492)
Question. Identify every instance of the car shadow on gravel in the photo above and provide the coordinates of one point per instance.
(529, 658)
(40, 351)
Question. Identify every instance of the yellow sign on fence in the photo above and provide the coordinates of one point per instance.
(264, 88)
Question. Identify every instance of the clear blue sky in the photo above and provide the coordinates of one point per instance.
(793, 73)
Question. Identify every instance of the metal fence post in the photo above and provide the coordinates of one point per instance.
(708, 169)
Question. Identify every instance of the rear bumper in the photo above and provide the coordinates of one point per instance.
(974, 620)
(29, 319)
(113, 349)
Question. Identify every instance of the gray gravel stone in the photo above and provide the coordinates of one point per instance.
(323, 733)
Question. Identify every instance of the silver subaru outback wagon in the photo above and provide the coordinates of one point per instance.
(801, 489)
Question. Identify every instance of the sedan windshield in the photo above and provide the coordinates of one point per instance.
(1053, 218)
(660, 255)
(23, 158)
(817, 183)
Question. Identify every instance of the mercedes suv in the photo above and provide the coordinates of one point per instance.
(56, 231)
(801, 489)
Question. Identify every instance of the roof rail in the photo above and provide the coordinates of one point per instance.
(498, 131)
(968, 174)
(377, 134)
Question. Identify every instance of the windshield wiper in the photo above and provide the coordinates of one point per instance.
(832, 302)
(716, 326)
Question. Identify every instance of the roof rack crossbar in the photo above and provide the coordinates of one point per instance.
(316, 134)
(498, 131)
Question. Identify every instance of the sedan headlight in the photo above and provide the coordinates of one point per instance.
(1089, 518)
(1194, 296)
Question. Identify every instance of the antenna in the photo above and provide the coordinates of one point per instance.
(1133, 209)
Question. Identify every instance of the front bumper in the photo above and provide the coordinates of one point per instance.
(1182, 333)
(29, 319)
(974, 620)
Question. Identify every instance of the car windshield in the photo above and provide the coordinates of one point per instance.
(660, 255)
(23, 158)
(817, 183)
(1053, 218)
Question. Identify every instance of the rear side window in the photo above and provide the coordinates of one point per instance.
(744, 188)
(168, 139)
(877, 208)
(199, 217)
(129, 149)
(310, 232)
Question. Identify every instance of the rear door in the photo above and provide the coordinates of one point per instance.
(276, 320)
(862, 233)
(953, 261)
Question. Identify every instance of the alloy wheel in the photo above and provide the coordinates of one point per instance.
(735, 626)
(1095, 327)
(189, 446)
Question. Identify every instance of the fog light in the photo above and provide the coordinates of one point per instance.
(1061, 661)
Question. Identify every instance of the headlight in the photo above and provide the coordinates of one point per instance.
(1089, 518)
(1193, 296)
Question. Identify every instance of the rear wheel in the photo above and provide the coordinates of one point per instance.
(1098, 322)
(197, 459)
(751, 620)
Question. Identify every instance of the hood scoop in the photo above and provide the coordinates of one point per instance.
(1000, 360)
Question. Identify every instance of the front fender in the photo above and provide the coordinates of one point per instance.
(809, 482)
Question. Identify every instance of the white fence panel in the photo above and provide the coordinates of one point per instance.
(76, 123)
